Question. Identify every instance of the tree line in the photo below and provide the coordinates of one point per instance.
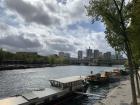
(27, 58)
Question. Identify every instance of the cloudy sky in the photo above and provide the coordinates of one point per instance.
(49, 26)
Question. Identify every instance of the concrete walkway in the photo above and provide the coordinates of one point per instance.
(121, 95)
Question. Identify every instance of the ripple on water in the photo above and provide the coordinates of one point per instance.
(14, 82)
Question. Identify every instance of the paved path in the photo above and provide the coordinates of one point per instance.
(121, 95)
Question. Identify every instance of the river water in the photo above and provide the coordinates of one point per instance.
(13, 82)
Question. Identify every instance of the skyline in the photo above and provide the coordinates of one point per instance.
(48, 27)
(84, 52)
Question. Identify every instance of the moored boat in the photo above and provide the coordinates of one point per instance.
(98, 79)
(114, 76)
(104, 77)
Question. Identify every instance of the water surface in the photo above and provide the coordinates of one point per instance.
(13, 82)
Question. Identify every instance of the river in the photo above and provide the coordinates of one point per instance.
(13, 82)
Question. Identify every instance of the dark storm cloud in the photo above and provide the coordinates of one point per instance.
(32, 13)
(19, 42)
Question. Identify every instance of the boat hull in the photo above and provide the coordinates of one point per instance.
(112, 80)
(98, 82)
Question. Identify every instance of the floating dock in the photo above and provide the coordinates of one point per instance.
(59, 88)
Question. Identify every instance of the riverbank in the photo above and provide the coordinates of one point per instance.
(120, 95)
(26, 66)
(22, 66)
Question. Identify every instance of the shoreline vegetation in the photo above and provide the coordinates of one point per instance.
(25, 60)
(22, 66)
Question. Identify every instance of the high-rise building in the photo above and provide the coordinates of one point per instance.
(96, 54)
(61, 54)
(100, 55)
(107, 55)
(65, 55)
(80, 54)
(89, 53)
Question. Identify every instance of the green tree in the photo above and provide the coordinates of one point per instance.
(115, 15)
(134, 29)
(134, 36)
(51, 60)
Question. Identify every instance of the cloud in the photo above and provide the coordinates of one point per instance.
(3, 27)
(62, 47)
(49, 26)
(61, 44)
(32, 13)
(49, 12)
(19, 42)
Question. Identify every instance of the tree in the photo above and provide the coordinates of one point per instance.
(114, 14)
(134, 36)
(134, 29)
(117, 42)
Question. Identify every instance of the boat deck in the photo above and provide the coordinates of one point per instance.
(69, 79)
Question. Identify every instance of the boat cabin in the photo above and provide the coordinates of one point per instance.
(67, 82)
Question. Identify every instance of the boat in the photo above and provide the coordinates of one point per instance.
(124, 72)
(60, 90)
(104, 77)
(98, 79)
(73, 83)
(114, 76)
